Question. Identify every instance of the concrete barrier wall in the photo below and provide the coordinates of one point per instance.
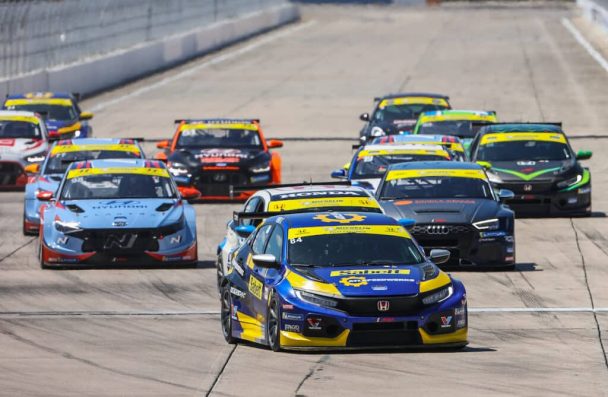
(112, 69)
(596, 12)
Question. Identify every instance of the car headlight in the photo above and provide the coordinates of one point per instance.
(316, 299)
(377, 131)
(570, 182)
(258, 169)
(438, 296)
(488, 224)
(177, 169)
(36, 158)
(66, 227)
(494, 178)
(428, 271)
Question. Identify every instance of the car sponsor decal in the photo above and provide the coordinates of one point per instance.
(290, 205)
(25, 119)
(237, 292)
(353, 281)
(75, 173)
(94, 148)
(357, 281)
(255, 287)
(523, 136)
(292, 328)
(29, 101)
(413, 100)
(388, 230)
(7, 142)
(422, 173)
(458, 116)
(340, 218)
(363, 272)
(292, 316)
(221, 155)
(393, 152)
(220, 126)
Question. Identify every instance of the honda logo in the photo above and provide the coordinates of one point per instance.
(437, 229)
(527, 188)
(383, 306)
(122, 241)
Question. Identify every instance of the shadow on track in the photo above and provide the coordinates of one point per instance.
(198, 265)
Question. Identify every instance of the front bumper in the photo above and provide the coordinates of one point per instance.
(535, 203)
(219, 184)
(469, 246)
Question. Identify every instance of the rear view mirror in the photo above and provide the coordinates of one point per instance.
(265, 260)
(244, 230)
(275, 144)
(339, 174)
(505, 194)
(364, 117)
(189, 193)
(584, 154)
(44, 195)
(439, 256)
(86, 116)
(164, 144)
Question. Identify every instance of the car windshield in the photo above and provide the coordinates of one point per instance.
(459, 128)
(218, 138)
(403, 112)
(353, 249)
(433, 187)
(59, 163)
(19, 129)
(376, 166)
(523, 151)
(117, 186)
(51, 112)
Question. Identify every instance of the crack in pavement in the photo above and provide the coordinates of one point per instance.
(18, 249)
(219, 374)
(318, 366)
(597, 323)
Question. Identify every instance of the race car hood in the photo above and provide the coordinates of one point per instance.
(220, 157)
(442, 210)
(372, 280)
(56, 124)
(121, 213)
(21, 147)
(524, 171)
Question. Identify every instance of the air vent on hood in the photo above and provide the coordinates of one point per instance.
(74, 208)
(164, 207)
(437, 211)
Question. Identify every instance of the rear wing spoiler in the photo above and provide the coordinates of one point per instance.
(555, 123)
(215, 121)
(235, 189)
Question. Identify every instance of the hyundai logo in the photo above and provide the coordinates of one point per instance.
(383, 306)
(437, 229)
(123, 241)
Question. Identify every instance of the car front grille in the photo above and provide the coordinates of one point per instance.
(535, 187)
(119, 242)
(457, 238)
(365, 306)
(9, 172)
(218, 183)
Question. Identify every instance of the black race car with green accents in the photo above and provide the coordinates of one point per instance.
(536, 162)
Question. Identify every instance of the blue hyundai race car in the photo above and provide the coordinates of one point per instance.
(63, 117)
(340, 280)
(117, 212)
(49, 174)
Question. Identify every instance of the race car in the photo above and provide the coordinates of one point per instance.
(340, 280)
(455, 208)
(370, 162)
(536, 162)
(50, 172)
(397, 113)
(216, 155)
(23, 141)
(60, 110)
(452, 143)
(285, 199)
(117, 212)
(461, 123)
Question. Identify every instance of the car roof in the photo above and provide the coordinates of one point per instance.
(413, 94)
(458, 112)
(421, 138)
(118, 163)
(522, 127)
(217, 121)
(423, 165)
(312, 188)
(22, 113)
(407, 146)
(96, 141)
(47, 94)
(311, 219)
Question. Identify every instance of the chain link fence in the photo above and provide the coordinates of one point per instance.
(41, 34)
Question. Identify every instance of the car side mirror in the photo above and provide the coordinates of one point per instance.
(244, 230)
(274, 144)
(266, 260)
(32, 168)
(505, 194)
(189, 193)
(364, 117)
(339, 174)
(439, 256)
(584, 154)
(164, 144)
(161, 157)
(85, 116)
(44, 195)
(486, 165)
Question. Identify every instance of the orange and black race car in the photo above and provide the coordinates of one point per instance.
(216, 155)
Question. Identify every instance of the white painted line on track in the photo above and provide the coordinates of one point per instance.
(585, 44)
(538, 309)
(195, 68)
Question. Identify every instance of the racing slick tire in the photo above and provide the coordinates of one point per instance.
(273, 325)
(226, 314)
(219, 272)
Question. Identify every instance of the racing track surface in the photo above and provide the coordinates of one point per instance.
(156, 332)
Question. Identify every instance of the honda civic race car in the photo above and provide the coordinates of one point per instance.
(536, 162)
(461, 123)
(370, 162)
(455, 208)
(452, 143)
(117, 212)
(23, 141)
(216, 155)
(340, 280)
(61, 112)
(50, 173)
(284, 199)
(397, 113)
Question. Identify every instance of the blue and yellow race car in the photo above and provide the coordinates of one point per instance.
(340, 280)
(46, 177)
(117, 212)
(63, 117)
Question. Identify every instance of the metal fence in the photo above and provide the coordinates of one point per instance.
(41, 34)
